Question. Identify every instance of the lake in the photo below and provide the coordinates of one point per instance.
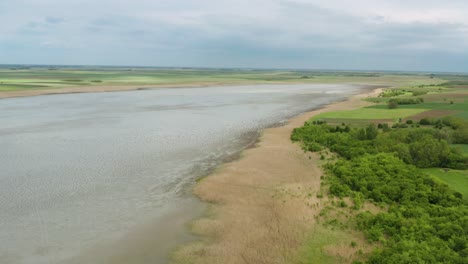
(106, 175)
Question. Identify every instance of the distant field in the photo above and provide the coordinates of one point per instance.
(17, 78)
(439, 101)
(456, 179)
(456, 106)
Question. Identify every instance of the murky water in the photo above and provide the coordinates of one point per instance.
(82, 170)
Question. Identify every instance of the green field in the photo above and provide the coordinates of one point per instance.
(366, 113)
(456, 106)
(456, 179)
(16, 78)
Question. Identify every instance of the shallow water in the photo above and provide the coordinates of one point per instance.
(82, 171)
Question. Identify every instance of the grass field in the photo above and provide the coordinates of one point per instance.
(456, 179)
(439, 101)
(324, 241)
(367, 113)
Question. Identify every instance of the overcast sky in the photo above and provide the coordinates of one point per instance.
(426, 35)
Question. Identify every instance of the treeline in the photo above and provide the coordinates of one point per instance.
(392, 93)
(422, 147)
(426, 221)
(395, 102)
(399, 92)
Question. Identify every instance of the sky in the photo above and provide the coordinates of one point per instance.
(409, 35)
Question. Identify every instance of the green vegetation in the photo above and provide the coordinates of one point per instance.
(456, 179)
(364, 113)
(382, 167)
(394, 102)
(312, 251)
(411, 164)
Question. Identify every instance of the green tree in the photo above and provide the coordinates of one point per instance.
(392, 104)
(371, 132)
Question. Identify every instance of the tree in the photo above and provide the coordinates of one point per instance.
(392, 104)
(361, 135)
(371, 132)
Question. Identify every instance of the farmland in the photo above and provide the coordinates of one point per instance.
(398, 152)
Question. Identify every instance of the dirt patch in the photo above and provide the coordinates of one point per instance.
(456, 96)
(432, 114)
(265, 204)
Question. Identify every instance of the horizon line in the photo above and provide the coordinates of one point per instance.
(231, 68)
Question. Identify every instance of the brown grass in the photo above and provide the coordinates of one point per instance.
(432, 114)
(263, 205)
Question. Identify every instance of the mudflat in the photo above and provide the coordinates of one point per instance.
(97, 89)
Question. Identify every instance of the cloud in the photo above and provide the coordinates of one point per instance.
(360, 34)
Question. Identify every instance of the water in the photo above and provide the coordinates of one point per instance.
(82, 170)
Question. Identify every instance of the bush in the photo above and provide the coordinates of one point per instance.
(425, 122)
(371, 132)
(460, 136)
(418, 93)
(406, 101)
(392, 104)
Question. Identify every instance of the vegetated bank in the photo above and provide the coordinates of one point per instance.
(383, 161)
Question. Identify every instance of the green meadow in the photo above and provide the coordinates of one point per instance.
(438, 100)
(367, 113)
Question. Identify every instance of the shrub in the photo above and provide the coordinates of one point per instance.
(392, 104)
(371, 132)
(425, 122)
(418, 93)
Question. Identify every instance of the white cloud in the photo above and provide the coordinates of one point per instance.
(241, 32)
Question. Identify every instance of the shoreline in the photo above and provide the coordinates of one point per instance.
(260, 204)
